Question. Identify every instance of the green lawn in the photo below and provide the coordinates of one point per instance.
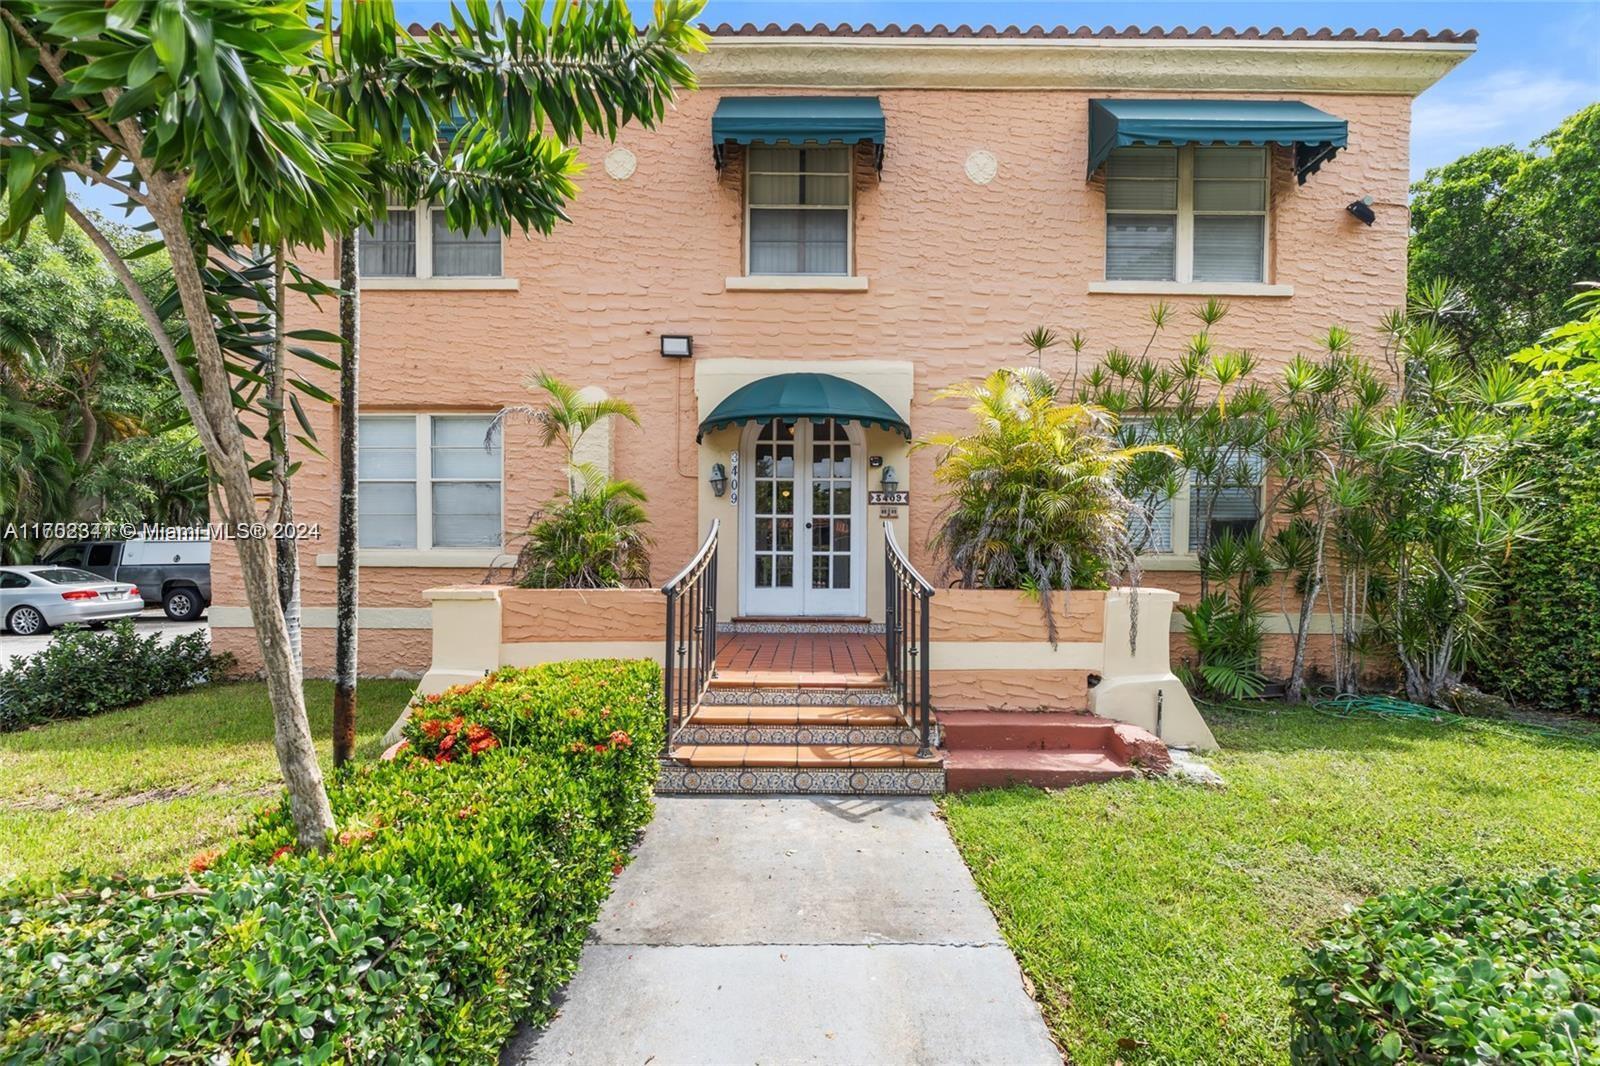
(144, 788)
(1155, 918)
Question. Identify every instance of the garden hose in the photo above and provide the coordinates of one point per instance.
(1392, 707)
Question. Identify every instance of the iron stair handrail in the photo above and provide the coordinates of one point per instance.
(906, 638)
(690, 657)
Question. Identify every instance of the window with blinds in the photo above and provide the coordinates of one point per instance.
(414, 242)
(450, 499)
(1186, 214)
(1234, 508)
(798, 206)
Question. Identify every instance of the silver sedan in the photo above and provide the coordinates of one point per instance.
(35, 598)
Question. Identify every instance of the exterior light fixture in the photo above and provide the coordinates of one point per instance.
(1361, 208)
(677, 346)
(890, 482)
(719, 479)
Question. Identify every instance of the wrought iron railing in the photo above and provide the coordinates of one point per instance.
(905, 637)
(691, 652)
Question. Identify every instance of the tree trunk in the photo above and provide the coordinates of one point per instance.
(230, 465)
(1297, 670)
(287, 546)
(347, 576)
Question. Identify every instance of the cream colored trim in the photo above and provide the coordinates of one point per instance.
(443, 284)
(1275, 623)
(1014, 655)
(554, 651)
(796, 283)
(1191, 288)
(1173, 563)
(325, 617)
(437, 558)
(1186, 65)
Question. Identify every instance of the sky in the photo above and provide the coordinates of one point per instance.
(1537, 62)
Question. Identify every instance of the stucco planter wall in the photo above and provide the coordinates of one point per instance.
(991, 651)
(480, 628)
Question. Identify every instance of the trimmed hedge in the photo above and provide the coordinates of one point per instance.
(473, 867)
(82, 672)
(1507, 971)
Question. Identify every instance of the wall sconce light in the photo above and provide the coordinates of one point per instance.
(677, 346)
(890, 482)
(1362, 209)
(719, 479)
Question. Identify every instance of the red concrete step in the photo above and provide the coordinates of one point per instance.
(967, 770)
(1024, 730)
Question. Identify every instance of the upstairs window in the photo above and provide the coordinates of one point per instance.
(798, 208)
(415, 243)
(1186, 214)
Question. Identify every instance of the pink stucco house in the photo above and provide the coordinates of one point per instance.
(838, 224)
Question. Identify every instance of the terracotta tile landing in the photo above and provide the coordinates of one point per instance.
(821, 653)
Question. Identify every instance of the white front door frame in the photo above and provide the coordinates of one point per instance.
(802, 600)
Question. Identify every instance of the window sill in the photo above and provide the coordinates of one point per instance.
(795, 283)
(444, 284)
(1170, 563)
(433, 559)
(1191, 288)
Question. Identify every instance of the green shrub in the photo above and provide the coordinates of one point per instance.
(1507, 971)
(82, 673)
(478, 873)
(1547, 651)
(264, 964)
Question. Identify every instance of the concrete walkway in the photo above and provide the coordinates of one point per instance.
(789, 930)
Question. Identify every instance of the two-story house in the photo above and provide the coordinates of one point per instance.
(836, 226)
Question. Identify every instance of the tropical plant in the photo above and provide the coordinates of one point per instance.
(1033, 500)
(591, 538)
(592, 534)
(1225, 625)
(230, 133)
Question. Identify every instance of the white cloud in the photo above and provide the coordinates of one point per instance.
(1505, 106)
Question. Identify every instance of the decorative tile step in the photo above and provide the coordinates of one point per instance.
(800, 625)
(966, 770)
(795, 696)
(802, 756)
(678, 778)
(795, 724)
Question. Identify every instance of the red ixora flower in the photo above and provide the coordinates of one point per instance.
(202, 862)
(432, 728)
(477, 732)
(616, 869)
(447, 743)
(600, 747)
(442, 758)
(621, 739)
(287, 849)
(483, 744)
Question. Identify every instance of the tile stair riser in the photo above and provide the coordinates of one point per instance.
(801, 734)
(802, 697)
(677, 779)
(737, 628)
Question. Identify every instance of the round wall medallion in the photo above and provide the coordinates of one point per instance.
(982, 167)
(621, 163)
(747, 781)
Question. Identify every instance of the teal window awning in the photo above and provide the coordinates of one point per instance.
(1315, 134)
(792, 397)
(797, 119)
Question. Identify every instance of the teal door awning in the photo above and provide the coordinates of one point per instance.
(1316, 135)
(792, 397)
(797, 119)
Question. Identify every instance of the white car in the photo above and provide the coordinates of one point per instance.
(35, 598)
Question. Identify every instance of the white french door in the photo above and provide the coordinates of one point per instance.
(802, 513)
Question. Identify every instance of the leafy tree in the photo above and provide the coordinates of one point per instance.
(91, 422)
(1515, 229)
(228, 131)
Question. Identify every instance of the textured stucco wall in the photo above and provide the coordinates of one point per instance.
(957, 272)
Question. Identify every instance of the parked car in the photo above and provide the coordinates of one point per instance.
(175, 574)
(35, 598)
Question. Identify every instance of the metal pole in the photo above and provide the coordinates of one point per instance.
(666, 661)
(925, 751)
